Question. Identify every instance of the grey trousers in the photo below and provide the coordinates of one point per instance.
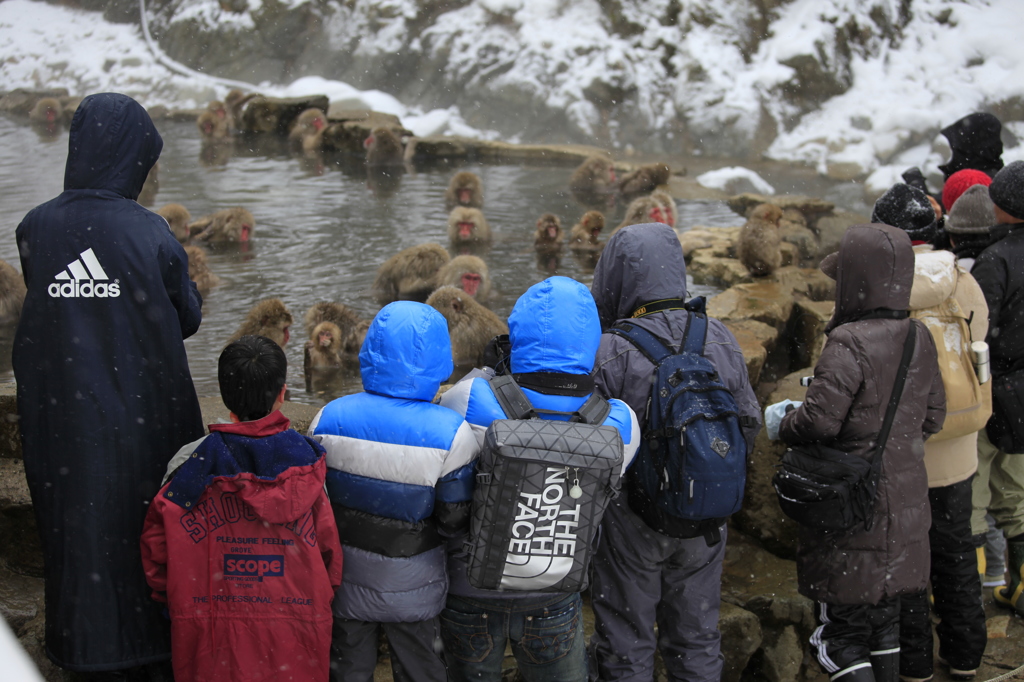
(415, 651)
(641, 577)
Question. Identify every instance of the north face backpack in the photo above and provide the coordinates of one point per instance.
(968, 406)
(690, 471)
(541, 489)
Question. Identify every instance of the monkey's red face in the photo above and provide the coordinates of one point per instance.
(552, 232)
(221, 113)
(287, 335)
(51, 115)
(207, 127)
(470, 283)
(611, 175)
(319, 123)
(326, 338)
(594, 231)
(464, 196)
(243, 236)
(656, 215)
(466, 229)
(368, 141)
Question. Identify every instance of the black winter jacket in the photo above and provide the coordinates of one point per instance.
(104, 391)
(999, 271)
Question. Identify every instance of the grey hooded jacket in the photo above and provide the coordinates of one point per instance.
(642, 264)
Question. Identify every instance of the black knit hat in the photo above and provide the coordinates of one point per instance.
(1007, 189)
(908, 209)
(972, 213)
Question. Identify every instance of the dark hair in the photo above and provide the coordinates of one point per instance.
(251, 372)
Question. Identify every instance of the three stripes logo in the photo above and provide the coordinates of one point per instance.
(84, 278)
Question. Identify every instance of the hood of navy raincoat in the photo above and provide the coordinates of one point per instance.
(112, 145)
(640, 264)
(554, 327)
(407, 352)
(875, 270)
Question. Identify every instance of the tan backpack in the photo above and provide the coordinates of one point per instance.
(968, 405)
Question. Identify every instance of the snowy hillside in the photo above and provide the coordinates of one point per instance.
(853, 87)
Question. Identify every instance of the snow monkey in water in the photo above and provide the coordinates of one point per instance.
(269, 318)
(229, 225)
(548, 235)
(383, 148)
(468, 273)
(410, 275)
(759, 243)
(343, 318)
(178, 218)
(465, 189)
(306, 133)
(592, 182)
(470, 325)
(468, 226)
(583, 235)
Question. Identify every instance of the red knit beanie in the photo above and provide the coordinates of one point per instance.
(960, 182)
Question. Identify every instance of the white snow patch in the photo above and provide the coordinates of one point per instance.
(728, 180)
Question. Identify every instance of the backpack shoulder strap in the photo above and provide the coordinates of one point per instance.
(594, 410)
(894, 398)
(696, 333)
(646, 342)
(511, 398)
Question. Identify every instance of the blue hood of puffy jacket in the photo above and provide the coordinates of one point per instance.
(407, 352)
(554, 328)
(100, 153)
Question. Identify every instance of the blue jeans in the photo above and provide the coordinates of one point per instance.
(546, 635)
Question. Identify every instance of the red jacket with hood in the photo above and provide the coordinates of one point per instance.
(241, 543)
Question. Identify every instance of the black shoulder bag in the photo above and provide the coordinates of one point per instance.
(830, 490)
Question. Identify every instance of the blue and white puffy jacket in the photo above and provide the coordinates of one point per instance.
(398, 467)
(554, 327)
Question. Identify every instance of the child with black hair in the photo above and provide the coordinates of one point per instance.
(241, 542)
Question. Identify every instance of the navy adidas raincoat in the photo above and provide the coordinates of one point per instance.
(104, 391)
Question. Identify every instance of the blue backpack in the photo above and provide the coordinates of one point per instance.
(690, 470)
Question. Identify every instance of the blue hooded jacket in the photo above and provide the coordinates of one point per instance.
(104, 390)
(553, 327)
(398, 468)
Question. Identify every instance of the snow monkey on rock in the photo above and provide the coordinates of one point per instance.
(644, 180)
(468, 273)
(759, 242)
(465, 189)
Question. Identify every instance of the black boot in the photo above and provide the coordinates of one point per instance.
(886, 667)
(858, 672)
(1010, 596)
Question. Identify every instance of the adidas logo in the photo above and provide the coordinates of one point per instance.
(77, 281)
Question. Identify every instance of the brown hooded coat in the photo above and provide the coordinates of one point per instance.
(845, 407)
